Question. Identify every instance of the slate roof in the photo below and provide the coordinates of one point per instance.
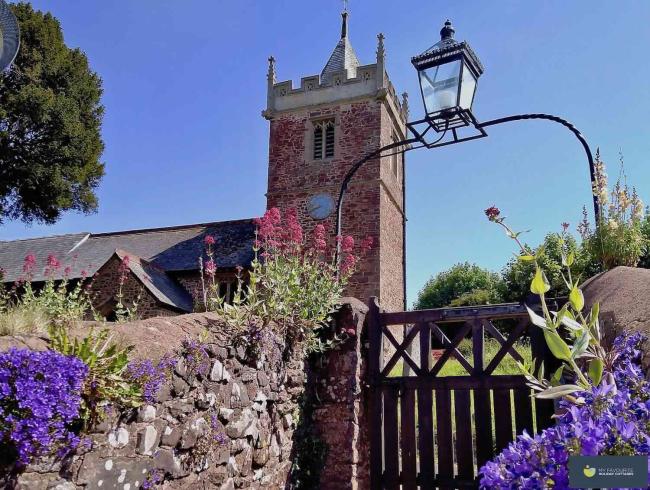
(342, 58)
(157, 282)
(172, 249)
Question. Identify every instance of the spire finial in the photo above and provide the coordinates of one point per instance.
(270, 76)
(381, 52)
(447, 31)
(344, 21)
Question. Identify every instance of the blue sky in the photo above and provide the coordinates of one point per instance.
(185, 83)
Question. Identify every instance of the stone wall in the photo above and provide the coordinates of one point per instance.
(255, 404)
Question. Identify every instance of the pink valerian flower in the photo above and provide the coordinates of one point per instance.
(366, 244)
(320, 243)
(565, 226)
(294, 233)
(210, 267)
(53, 262)
(348, 264)
(266, 225)
(124, 268)
(347, 244)
(209, 240)
(84, 273)
(67, 271)
(29, 263)
(492, 213)
(51, 265)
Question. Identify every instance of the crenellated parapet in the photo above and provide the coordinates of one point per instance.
(345, 84)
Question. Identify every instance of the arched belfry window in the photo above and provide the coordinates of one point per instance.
(324, 139)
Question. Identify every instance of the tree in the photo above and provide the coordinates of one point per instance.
(517, 274)
(465, 284)
(50, 121)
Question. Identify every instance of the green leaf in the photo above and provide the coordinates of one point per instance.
(571, 324)
(540, 284)
(526, 258)
(580, 346)
(576, 298)
(558, 391)
(596, 370)
(570, 259)
(557, 375)
(558, 347)
(536, 320)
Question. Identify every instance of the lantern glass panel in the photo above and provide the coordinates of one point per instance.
(467, 88)
(440, 86)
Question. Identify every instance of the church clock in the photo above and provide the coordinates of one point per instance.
(320, 206)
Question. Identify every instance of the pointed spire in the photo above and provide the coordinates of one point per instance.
(343, 57)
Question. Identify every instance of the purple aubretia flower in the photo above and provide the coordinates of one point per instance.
(150, 378)
(40, 396)
(196, 357)
(610, 422)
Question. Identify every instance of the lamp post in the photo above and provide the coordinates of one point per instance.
(448, 73)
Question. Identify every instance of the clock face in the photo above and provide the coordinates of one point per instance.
(320, 206)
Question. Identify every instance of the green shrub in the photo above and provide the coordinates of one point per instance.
(621, 236)
(464, 284)
(517, 273)
(293, 286)
(107, 380)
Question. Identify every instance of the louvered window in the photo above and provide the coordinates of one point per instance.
(323, 140)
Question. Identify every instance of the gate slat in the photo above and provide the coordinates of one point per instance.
(391, 437)
(425, 414)
(502, 418)
(544, 410)
(523, 410)
(464, 457)
(483, 423)
(444, 440)
(407, 439)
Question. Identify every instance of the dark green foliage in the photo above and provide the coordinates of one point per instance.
(644, 261)
(50, 121)
(518, 274)
(309, 450)
(464, 284)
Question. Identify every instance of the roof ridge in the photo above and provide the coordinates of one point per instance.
(168, 228)
(45, 237)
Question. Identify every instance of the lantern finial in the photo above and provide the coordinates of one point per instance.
(447, 31)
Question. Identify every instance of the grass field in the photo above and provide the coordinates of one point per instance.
(491, 346)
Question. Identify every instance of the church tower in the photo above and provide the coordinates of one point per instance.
(317, 132)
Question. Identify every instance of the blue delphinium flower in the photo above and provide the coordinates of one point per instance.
(40, 396)
(614, 420)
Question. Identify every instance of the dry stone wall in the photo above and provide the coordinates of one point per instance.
(253, 406)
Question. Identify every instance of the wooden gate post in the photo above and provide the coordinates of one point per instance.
(375, 354)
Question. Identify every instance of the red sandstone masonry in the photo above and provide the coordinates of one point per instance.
(373, 203)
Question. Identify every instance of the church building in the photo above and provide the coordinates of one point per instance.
(318, 130)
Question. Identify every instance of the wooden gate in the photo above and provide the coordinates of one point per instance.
(429, 430)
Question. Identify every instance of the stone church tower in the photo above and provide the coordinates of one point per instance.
(317, 132)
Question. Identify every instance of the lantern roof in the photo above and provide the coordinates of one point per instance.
(448, 49)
